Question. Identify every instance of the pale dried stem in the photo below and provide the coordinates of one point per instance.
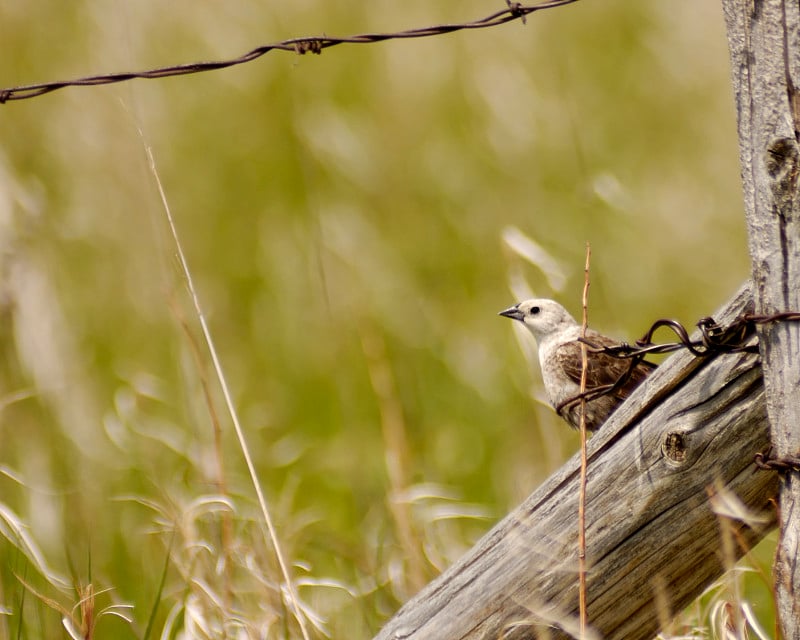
(270, 531)
(582, 494)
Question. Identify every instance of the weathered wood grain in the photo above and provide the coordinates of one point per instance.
(694, 425)
(764, 42)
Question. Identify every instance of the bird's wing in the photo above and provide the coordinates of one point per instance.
(602, 368)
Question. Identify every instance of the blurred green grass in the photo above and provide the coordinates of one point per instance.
(326, 203)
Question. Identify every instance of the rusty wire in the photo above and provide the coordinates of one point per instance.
(766, 462)
(714, 339)
(301, 46)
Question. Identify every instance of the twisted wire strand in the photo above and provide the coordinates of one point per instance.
(300, 46)
(714, 339)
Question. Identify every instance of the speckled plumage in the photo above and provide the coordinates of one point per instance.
(557, 333)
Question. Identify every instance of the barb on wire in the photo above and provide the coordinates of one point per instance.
(766, 462)
(301, 46)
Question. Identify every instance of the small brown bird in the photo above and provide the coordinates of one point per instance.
(557, 334)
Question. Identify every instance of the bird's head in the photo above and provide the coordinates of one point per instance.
(541, 316)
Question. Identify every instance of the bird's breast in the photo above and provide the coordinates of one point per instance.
(558, 385)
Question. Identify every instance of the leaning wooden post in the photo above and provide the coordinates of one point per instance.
(764, 40)
(652, 536)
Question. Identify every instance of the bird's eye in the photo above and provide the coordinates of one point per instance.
(535, 310)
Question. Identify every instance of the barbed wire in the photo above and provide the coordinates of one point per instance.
(714, 339)
(301, 46)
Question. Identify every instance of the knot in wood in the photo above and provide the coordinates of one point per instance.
(781, 155)
(674, 447)
(781, 162)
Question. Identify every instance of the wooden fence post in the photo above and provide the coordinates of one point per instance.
(764, 41)
(653, 539)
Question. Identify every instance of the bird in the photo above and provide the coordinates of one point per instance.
(557, 337)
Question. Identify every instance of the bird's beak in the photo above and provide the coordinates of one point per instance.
(512, 312)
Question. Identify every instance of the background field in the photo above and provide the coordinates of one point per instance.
(347, 221)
